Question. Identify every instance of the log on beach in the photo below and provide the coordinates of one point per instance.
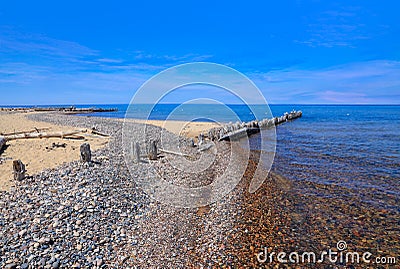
(95, 132)
(44, 135)
(174, 153)
(37, 130)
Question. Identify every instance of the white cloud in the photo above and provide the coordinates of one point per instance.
(361, 82)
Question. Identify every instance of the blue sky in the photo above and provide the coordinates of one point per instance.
(86, 52)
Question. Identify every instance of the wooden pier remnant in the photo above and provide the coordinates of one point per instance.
(19, 170)
(200, 139)
(2, 142)
(191, 143)
(152, 150)
(136, 152)
(86, 154)
(66, 110)
(238, 130)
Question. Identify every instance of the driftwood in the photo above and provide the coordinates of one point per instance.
(205, 147)
(74, 137)
(174, 152)
(152, 150)
(2, 142)
(94, 131)
(37, 130)
(44, 135)
(19, 170)
(57, 145)
(86, 154)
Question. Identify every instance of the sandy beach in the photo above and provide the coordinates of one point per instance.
(182, 128)
(38, 154)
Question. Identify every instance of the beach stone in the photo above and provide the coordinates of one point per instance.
(11, 266)
(99, 262)
(30, 258)
(22, 233)
(42, 262)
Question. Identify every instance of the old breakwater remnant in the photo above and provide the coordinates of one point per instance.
(65, 110)
(238, 130)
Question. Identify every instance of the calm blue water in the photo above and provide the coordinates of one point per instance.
(204, 112)
(354, 147)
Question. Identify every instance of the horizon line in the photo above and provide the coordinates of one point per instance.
(167, 103)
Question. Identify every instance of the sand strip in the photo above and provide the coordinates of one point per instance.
(37, 154)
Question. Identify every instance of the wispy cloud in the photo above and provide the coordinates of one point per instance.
(37, 64)
(108, 60)
(16, 42)
(73, 57)
(141, 55)
(335, 28)
(362, 82)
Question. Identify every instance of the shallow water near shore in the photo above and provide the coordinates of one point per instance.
(356, 148)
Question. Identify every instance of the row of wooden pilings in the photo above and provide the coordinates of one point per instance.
(151, 150)
(238, 129)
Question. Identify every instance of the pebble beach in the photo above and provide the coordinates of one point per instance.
(80, 215)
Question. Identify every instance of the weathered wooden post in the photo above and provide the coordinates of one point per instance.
(86, 154)
(19, 170)
(136, 152)
(191, 143)
(152, 150)
(2, 142)
(201, 139)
